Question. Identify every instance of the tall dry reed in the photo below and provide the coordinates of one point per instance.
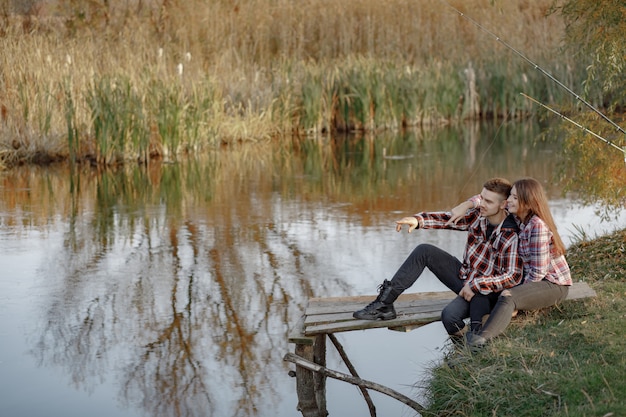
(126, 80)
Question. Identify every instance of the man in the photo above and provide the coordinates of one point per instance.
(490, 261)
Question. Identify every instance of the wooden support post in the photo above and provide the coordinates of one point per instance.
(310, 385)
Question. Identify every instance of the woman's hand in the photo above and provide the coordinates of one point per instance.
(458, 212)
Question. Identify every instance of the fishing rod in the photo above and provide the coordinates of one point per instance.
(537, 67)
(623, 150)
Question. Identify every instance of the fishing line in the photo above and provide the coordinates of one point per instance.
(537, 67)
(623, 150)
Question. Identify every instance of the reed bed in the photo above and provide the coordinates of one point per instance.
(117, 81)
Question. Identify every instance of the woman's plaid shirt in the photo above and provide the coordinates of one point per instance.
(536, 247)
(490, 265)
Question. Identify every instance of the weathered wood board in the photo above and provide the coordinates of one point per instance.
(334, 314)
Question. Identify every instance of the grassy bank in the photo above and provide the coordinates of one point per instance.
(115, 81)
(565, 361)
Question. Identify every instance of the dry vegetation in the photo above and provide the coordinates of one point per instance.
(108, 81)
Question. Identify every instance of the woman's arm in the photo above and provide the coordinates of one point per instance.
(458, 212)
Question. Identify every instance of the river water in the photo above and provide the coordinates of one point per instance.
(170, 290)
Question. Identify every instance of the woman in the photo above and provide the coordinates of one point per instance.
(546, 273)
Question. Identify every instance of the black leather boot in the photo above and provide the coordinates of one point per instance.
(382, 306)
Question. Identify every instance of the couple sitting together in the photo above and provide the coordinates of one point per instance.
(514, 259)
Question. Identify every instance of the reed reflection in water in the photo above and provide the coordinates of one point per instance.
(169, 290)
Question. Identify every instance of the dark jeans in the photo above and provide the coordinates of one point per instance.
(454, 314)
(446, 268)
(528, 296)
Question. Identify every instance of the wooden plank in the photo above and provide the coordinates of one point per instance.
(296, 334)
(323, 307)
(400, 321)
(580, 290)
(334, 314)
(332, 305)
(360, 299)
(428, 307)
(317, 310)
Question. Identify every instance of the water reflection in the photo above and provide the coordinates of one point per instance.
(177, 283)
(173, 283)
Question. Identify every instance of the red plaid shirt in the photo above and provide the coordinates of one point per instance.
(490, 265)
(536, 247)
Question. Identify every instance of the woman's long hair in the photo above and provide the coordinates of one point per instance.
(532, 199)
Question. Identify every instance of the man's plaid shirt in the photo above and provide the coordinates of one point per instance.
(490, 265)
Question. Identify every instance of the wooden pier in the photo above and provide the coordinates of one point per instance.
(325, 316)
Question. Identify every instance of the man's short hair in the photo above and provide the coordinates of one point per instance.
(499, 186)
